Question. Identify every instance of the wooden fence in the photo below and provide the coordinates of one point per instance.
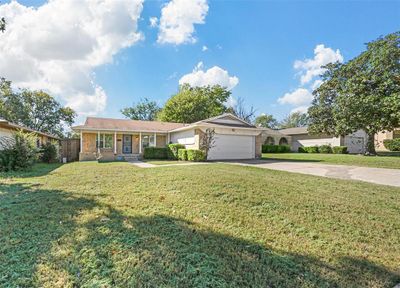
(70, 149)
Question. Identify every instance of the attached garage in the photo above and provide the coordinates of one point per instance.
(232, 147)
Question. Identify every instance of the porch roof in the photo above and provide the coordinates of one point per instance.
(127, 125)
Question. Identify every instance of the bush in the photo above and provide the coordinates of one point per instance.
(155, 153)
(339, 150)
(49, 153)
(182, 154)
(18, 151)
(302, 150)
(195, 155)
(275, 148)
(326, 149)
(312, 149)
(173, 149)
(392, 144)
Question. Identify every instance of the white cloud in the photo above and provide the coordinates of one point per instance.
(153, 21)
(301, 109)
(299, 96)
(204, 48)
(231, 102)
(56, 46)
(316, 84)
(213, 76)
(178, 18)
(310, 68)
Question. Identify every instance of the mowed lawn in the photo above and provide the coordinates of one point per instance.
(340, 159)
(215, 225)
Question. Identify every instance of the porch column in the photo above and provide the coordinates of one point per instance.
(168, 138)
(115, 142)
(140, 142)
(81, 147)
(155, 139)
(98, 142)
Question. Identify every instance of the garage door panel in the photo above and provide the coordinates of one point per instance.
(232, 147)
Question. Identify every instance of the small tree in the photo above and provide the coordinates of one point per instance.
(144, 110)
(207, 140)
(241, 111)
(266, 121)
(295, 119)
(2, 24)
(50, 152)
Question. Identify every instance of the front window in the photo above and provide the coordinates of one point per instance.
(105, 141)
(147, 141)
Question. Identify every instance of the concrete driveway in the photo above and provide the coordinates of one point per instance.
(382, 176)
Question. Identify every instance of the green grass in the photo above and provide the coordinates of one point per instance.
(165, 162)
(340, 159)
(116, 225)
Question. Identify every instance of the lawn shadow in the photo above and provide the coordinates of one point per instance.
(45, 228)
(39, 169)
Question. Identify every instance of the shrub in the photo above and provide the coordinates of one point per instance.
(173, 149)
(392, 144)
(312, 149)
(155, 153)
(18, 151)
(275, 148)
(195, 155)
(302, 150)
(339, 150)
(49, 153)
(326, 149)
(182, 154)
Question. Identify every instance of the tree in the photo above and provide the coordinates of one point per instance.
(240, 110)
(144, 110)
(207, 141)
(2, 24)
(34, 109)
(266, 121)
(192, 104)
(363, 93)
(295, 119)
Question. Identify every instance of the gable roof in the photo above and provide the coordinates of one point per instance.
(227, 119)
(294, 131)
(95, 123)
(11, 125)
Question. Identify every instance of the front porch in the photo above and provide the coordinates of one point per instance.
(110, 146)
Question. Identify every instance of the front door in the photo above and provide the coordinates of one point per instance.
(127, 144)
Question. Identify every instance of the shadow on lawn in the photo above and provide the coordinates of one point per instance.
(45, 239)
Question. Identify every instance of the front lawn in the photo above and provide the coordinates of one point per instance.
(165, 162)
(213, 225)
(339, 159)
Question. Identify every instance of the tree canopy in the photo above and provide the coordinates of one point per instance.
(193, 104)
(144, 110)
(34, 109)
(295, 119)
(363, 93)
(266, 121)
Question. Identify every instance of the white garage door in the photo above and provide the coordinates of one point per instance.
(232, 147)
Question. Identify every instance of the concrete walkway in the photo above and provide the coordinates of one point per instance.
(381, 176)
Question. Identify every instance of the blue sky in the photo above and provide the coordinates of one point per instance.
(256, 41)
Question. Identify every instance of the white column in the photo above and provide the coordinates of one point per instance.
(98, 142)
(81, 148)
(140, 142)
(115, 142)
(155, 139)
(168, 138)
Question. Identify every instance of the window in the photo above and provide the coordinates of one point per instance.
(283, 141)
(147, 141)
(269, 141)
(105, 141)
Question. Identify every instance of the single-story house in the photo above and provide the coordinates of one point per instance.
(127, 139)
(385, 135)
(299, 137)
(7, 129)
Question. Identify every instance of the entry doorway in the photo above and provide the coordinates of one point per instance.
(127, 144)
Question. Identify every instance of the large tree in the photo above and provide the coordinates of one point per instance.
(34, 109)
(193, 104)
(295, 119)
(363, 93)
(144, 110)
(266, 121)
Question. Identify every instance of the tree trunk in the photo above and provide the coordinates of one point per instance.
(370, 145)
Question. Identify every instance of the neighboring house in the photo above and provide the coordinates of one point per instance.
(300, 137)
(385, 135)
(7, 129)
(125, 139)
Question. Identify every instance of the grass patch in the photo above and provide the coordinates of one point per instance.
(116, 225)
(340, 159)
(165, 162)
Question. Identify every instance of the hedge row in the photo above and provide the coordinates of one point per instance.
(174, 152)
(275, 148)
(324, 149)
(392, 144)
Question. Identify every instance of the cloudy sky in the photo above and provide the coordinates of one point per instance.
(99, 56)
